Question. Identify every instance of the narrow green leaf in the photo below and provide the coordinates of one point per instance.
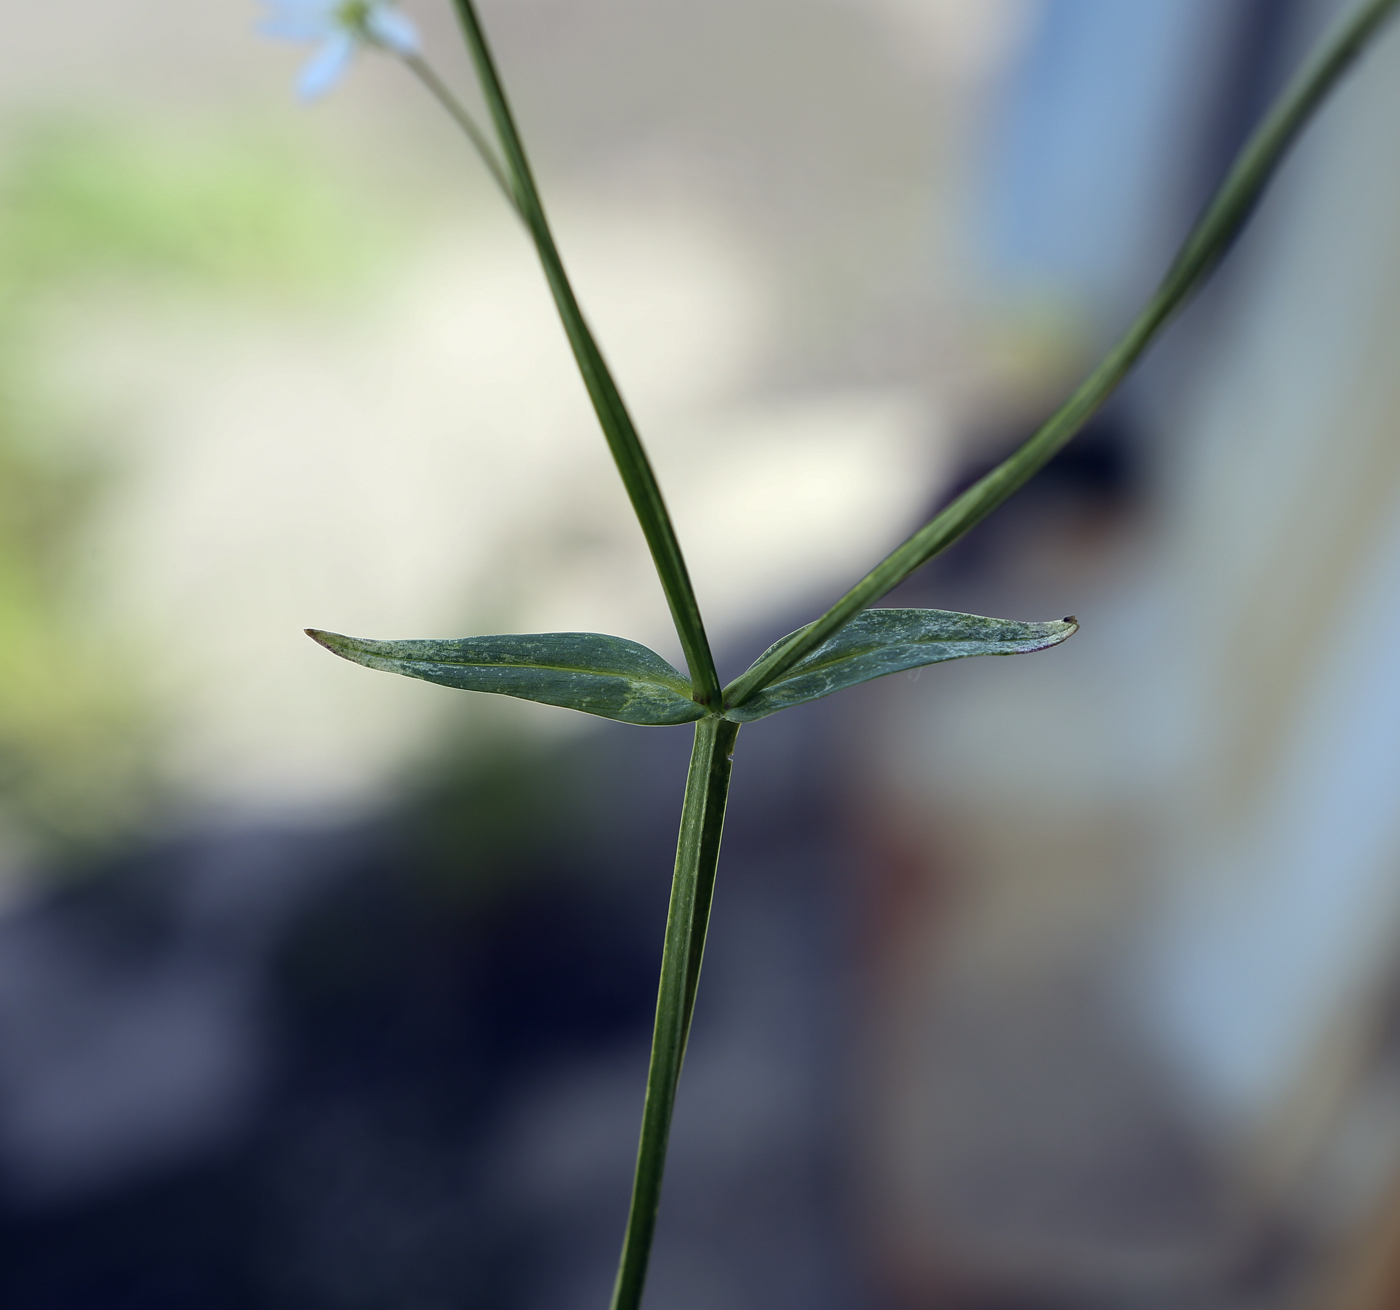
(878, 642)
(607, 676)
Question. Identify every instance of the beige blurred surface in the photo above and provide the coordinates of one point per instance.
(416, 457)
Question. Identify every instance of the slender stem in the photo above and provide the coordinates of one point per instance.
(442, 93)
(618, 428)
(707, 783)
(1201, 252)
(692, 889)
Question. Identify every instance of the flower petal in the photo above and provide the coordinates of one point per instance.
(389, 28)
(299, 20)
(326, 66)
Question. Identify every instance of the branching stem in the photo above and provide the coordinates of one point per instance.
(442, 93)
(707, 783)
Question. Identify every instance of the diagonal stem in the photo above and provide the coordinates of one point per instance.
(692, 890)
(618, 428)
(1204, 247)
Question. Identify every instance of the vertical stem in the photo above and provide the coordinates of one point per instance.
(621, 434)
(692, 890)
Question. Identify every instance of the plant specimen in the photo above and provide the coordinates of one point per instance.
(851, 642)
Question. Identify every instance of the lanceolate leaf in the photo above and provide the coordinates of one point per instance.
(586, 671)
(878, 642)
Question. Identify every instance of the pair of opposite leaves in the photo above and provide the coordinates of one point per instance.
(620, 679)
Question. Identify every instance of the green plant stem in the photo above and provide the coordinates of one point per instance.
(692, 890)
(442, 93)
(618, 428)
(1198, 257)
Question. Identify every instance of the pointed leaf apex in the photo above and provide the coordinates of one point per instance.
(883, 641)
(607, 676)
(333, 642)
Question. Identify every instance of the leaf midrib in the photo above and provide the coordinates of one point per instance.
(802, 669)
(686, 691)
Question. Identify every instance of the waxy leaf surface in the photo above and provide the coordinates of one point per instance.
(878, 642)
(607, 676)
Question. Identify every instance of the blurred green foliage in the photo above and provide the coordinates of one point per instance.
(145, 211)
(238, 212)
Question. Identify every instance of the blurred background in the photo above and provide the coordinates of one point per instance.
(1053, 983)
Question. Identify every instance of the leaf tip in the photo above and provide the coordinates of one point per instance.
(332, 641)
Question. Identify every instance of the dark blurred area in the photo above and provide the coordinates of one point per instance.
(399, 1064)
(1063, 983)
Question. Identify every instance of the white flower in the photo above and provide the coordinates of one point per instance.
(341, 26)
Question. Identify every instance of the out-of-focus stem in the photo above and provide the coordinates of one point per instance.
(442, 93)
